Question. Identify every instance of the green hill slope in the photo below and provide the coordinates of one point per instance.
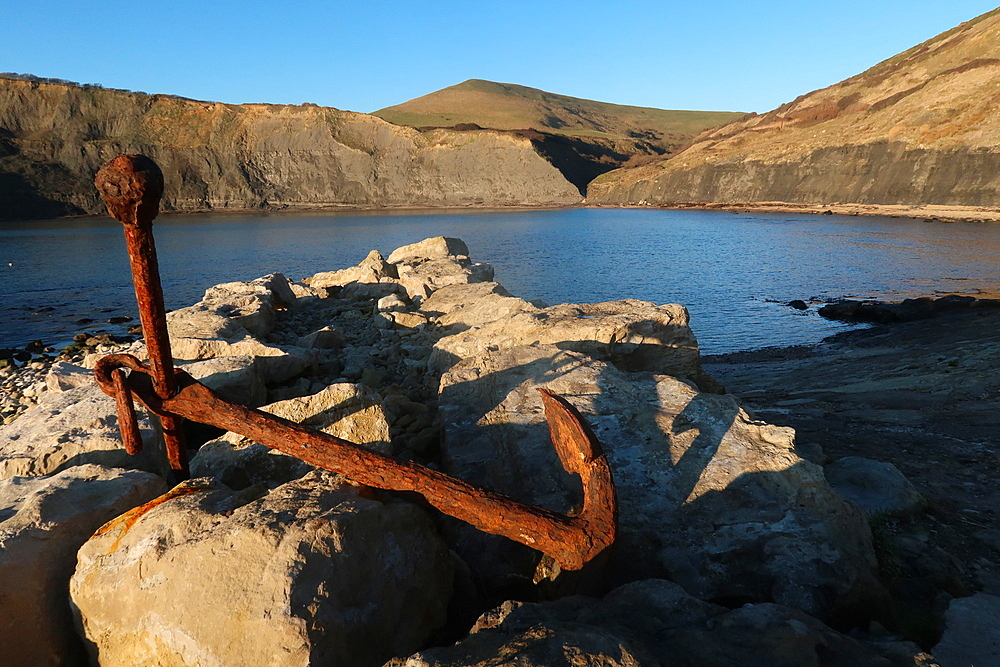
(601, 135)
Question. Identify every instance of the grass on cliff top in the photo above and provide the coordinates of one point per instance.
(506, 106)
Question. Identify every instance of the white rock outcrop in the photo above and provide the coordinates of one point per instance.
(72, 428)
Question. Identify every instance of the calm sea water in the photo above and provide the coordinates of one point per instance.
(733, 272)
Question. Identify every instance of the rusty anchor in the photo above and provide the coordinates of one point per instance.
(131, 186)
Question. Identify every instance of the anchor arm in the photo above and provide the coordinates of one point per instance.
(571, 540)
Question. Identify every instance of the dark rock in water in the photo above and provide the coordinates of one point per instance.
(842, 310)
(135, 330)
(827, 212)
(798, 304)
(880, 313)
(46, 309)
(21, 355)
(914, 309)
(119, 319)
(986, 303)
(953, 302)
(35, 346)
(6, 353)
(84, 320)
(81, 337)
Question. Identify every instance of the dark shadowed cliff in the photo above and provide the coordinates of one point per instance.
(54, 138)
(920, 128)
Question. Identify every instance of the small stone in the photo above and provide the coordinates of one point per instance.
(119, 319)
(372, 378)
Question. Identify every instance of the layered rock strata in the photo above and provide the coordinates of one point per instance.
(918, 128)
(54, 138)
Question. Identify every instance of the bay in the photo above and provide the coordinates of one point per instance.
(734, 272)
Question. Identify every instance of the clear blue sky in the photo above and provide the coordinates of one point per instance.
(708, 54)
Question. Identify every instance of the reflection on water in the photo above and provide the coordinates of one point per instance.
(733, 272)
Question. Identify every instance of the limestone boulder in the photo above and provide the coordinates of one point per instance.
(275, 363)
(708, 496)
(326, 338)
(231, 319)
(312, 573)
(372, 269)
(349, 411)
(875, 486)
(71, 428)
(43, 522)
(647, 623)
(239, 379)
(473, 305)
(438, 247)
(433, 263)
(633, 335)
(63, 376)
(233, 309)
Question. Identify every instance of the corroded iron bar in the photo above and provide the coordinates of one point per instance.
(127, 422)
(571, 540)
(131, 186)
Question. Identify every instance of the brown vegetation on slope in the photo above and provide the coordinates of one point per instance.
(918, 128)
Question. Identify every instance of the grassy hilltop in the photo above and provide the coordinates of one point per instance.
(588, 137)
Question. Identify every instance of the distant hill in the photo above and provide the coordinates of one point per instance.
(55, 135)
(606, 135)
(922, 127)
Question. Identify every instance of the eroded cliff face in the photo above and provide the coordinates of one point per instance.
(919, 128)
(54, 138)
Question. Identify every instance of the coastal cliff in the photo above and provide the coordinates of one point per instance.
(54, 137)
(918, 128)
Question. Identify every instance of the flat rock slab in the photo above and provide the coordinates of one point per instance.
(72, 428)
(634, 335)
(972, 633)
(43, 522)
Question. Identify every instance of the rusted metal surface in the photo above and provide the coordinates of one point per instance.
(127, 422)
(131, 186)
(571, 540)
(128, 185)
